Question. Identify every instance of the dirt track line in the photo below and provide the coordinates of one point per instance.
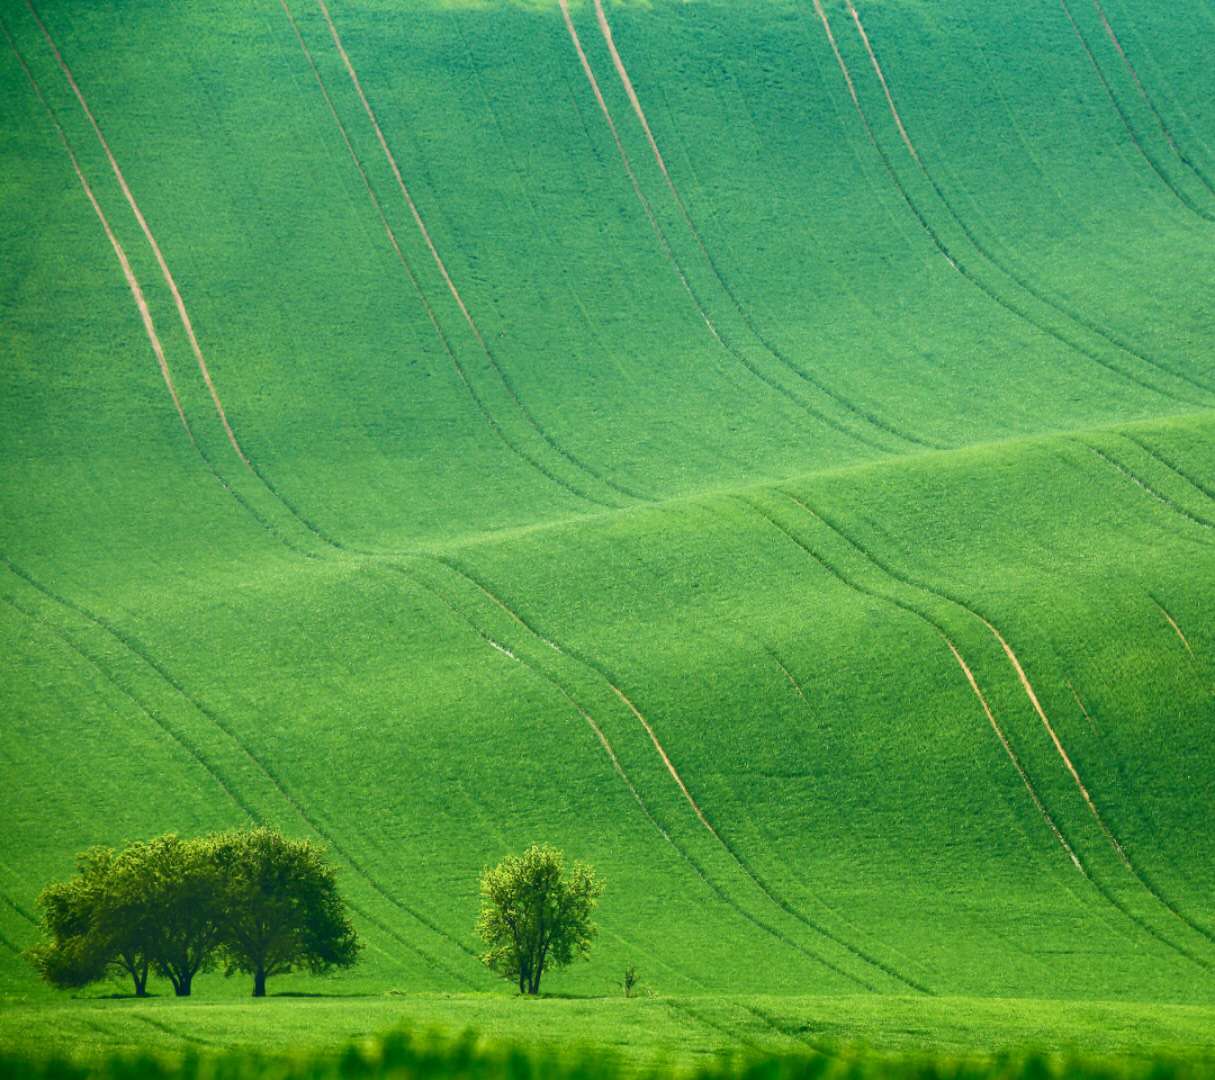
(182, 313)
(1173, 623)
(1138, 875)
(1083, 708)
(742, 864)
(669, 252)
(141, 303)
(1015, 760)
(605, 743)
(1012, 756)
(788, 674)
(137, 649)
(1155, 166)
(877, 68)
(962, 268)
(1164, 500)
(768, 346)
(1008, 271)
(416, 214)
(21, 912)
(1027, 686)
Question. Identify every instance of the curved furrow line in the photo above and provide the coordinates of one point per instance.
(1092, 724)
(141, 303)
(797, 686)
(149, 326)
(1142, 484)
(938, 242)
(1144, 153)
(863, 590)
(133, 646)
(1132, 869)
(619, 769)
(185, 744)
(1173, 623)
(1154, 453)
(21, 912)
(411, 276)
(987, 253)
(758, 880)
(669, 252)
(452, 288)
(1182, 156)
(537, 217)
(773, 350)
(178, 302)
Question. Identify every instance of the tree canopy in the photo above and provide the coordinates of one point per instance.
(534, 916)
(262, 903)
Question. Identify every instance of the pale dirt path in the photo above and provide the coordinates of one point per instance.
(180, 304)
(877, 68)
(396, 172)
(1012, 756)
(1027, 686)
(1173, 623)
(141, 303)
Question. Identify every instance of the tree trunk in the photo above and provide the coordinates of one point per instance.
(259, 982)
(181, 985)
(141, 982)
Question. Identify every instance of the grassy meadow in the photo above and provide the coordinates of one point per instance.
(766, 449)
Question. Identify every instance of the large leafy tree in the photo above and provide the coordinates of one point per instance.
(281, 908)
(535, 916)
(96, 922)
(181, 884)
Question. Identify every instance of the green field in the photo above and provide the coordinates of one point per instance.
(765, 448)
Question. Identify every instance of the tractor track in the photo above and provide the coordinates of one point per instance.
(135, 648)
(145, 313)
(1144, 153)
(672, 259)
(768, 346)
(450, 283)
(1012, 307)
(727, 846)
(1135, 872)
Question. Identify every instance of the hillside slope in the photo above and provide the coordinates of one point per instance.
(767, 449)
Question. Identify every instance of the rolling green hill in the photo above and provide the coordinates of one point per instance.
(766, 449)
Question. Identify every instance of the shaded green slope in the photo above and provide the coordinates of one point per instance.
(814, 534)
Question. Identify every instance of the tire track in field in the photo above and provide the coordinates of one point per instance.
(1171, 465)
(726, 845)
(1147, 156)
(178, 302)
(166, 273)
(9, 902)
(145, 313)
(785, 671)
(864, 590)
(989, 255)
(776, 353)
(1182, 156)
(1148, 489)
(140, 652)
(158, 721)
(669, 252)
(411, 276)
(450, 283)
(1137, 875)
(619, 769)
(1173, 623)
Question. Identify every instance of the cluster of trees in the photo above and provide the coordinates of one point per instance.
(260, 903)
(251, 899)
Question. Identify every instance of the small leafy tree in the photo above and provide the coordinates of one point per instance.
(281, 908)
(630, 981)
(534, 916)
